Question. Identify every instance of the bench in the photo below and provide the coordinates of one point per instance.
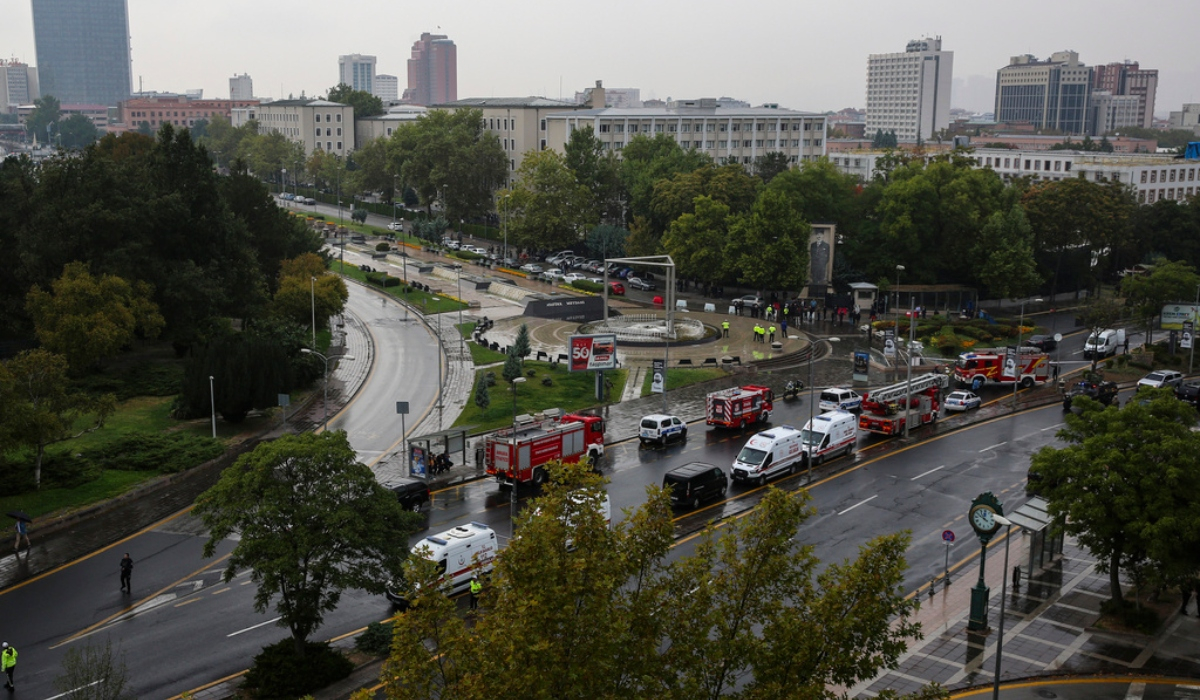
(685, 361)
(561, 358)
(710, 361)
(541, 355)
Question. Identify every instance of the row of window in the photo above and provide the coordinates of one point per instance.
(328, 131)
(1151, 196)
(686, 127)
(726, 145)
(1161, 175)
(168, 115)
(1030, 164)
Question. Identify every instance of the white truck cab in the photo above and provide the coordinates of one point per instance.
(775, 451)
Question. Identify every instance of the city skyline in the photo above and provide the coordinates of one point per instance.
(804, 57)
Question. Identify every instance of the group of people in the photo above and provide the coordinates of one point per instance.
(440, 464)
(761, 332)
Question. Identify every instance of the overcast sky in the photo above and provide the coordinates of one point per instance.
(802, 54)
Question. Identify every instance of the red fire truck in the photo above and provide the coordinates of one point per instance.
(975, 369)
(517, 456)
(739, 406)
(883, 410)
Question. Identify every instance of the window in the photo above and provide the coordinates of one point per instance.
(339, 117)
(746, 160)
(543, 144)
(685, 144)
(1143, 177)
(658, 128)
(328, 146)
(339, 131)
(1057, 165)
(543, 125)
(816, 142)
(1153, 176)
(722, 144)
(759, 126)
(1172, 176)
(619, 128)
(604, 128)
(758, 143)
(722, 127)
(1067, 166)
(736, 127)
(672, 127)
(709, 127)
(339, 145)
(685, 127)
(770, 127)
(746, 143)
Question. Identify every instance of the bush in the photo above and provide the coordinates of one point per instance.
(166, 453)
(586, 286)
(382, 247)
(142, 379)
(465, 255)
(383, 279)
(277, 673)
(376, 640)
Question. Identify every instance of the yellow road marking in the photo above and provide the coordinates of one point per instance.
(224, 590)
(187, 602)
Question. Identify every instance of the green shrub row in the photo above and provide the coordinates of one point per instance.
(383, 279)
(142, 379)
(584, 285)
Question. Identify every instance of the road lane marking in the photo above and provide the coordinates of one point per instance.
(224, 590)
(998, 444)
(252, 627)
(72, 692)
(858, 504)
(918, 476)
(1056, 425)
(189, 601)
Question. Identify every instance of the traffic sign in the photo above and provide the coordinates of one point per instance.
(948, 535)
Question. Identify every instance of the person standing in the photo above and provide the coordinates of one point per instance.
(724, 329)
(126, 573)
(476, 589)
(8, 663)
(771, 330)
(22, 532)
(783, 327)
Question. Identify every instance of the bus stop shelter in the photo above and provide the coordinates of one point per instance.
(1045, 540)
(423, 448)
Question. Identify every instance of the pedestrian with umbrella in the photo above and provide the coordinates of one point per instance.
(23, 521)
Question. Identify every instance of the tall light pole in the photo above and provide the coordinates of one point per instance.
(212, 398)
(1003, 599)
(912, 336)
(812, 398)
(440, 406)
(394, 181)
(313, 294)
(283, 183)
(896, 326)
(1192, 355)
(506, 231)
(512, 492)
(1017, 368)
(461, 338)
(325, 421)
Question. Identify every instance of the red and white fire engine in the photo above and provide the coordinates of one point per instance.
(739, 406)
(883, 410)
(990, 366)
(518, 455)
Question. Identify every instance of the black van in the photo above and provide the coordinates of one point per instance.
(695, 482)
(413, 494)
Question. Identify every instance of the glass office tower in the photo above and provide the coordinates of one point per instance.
(83, 50)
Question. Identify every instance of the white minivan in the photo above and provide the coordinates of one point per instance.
(460, 553)
(829, 435)
(775, 451)
(840, 399)
(1104, 343)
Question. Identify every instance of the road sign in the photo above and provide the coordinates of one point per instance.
(948, 535)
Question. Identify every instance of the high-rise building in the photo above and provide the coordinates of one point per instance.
(387, 88)
(241, 87)
(1129, 79)
(432, 71)
(18, 85)
(83, 50)
(357, 71)
(1049, 94)
(909, 93)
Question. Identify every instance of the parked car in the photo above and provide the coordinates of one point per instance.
(532, 268)
(1189, 393)
(661, 428)
(962, 401)
(396, 226)
(639, 283)
(413, 494)
(553, 274)
(1102, 391)
(1045, 343)
(572, 276)
(616, 288)
(750, 300)
(696, 482)
(1161, 378)
(592, 266)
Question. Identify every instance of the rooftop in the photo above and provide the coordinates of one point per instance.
(651, 112)
(481, 102)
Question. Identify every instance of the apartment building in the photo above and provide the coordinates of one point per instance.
(1051, 94)
(18, 85)
(176, 110)
(241, 88)
(1153, 177)
(909, 93)
(317, 124)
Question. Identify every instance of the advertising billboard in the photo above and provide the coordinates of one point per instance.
(1173, 316)
(588, 352)
(658, 376)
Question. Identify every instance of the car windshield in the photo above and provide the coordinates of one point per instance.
(958, 397)
(962, 363)
(1154, 377)
(811, 437)
(749, 455)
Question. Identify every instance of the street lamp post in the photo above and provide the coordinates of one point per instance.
(283, 182)
(896, 327)
(313, 294)
(212, 398)
(812, 398)
(325, 421)
(506, 230)
(1017, 368)
(512, 492)
(440, 406)
(394, 180)
(912, 337)
(1003, 599)
(1192, 350)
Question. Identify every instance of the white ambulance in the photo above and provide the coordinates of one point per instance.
(460, 554)
(776, 451)
(829, 435)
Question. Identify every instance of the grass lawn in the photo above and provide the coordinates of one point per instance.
(571, 391)
(681, 377)
(420, 300)
(37, 503)
(479, 354)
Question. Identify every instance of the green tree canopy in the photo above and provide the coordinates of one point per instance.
(78, 131)
(607, 241)
(547, 208)
(46, 111)
(1164, 283)
(597, 169)
(312, 521)
(364, 103)
(768, 247)
(1004, 250)
(696, 241)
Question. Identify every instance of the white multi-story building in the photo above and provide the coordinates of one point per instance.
(357, 71)
(1187, 118)
(387, 88)
(1110, 112)
(318, 124)
(241, 87)
(385, 125)
(909, 92)
(728, 134)
(18, 85)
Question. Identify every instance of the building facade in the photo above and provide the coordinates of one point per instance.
(520, 123)
(432, 71)
(384, 125)
(1108, 112)
(613, 97)
(357, 71)
(18, 85)
(387, 88)
(1187, 118)
(83, 50)
(316, 124)
(909, 92)
(1152, 177)
(1050, 94)
(241, 88)
(1128, 79)
(177, 111)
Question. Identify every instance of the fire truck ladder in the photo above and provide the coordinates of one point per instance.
(901, 390)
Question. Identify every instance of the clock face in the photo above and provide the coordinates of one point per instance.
(983, 518)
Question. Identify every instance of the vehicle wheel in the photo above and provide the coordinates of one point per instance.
(695, 503)
(762, 480)
(818, 459)
(765, 417)
(1026, 382)
(416, 507)
(683, 434)
(1066, 406)
(539, 476)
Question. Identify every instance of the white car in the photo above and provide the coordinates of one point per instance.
(396, 226)
(962, 401)
(1161, 378)
(840, 399)
(573, 276)
(553, 274)
(661, 428)
(532, 268)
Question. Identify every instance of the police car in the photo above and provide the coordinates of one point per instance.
(660, 428)
(839, 399)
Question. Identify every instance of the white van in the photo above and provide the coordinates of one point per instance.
(839, 399)
(775, 451)
(829, 435)
(1104, 343)
(460, 553)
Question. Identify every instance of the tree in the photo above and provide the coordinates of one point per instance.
(512, 365)
(750, 616)
(696, 241)
(768, 248)
(547, 208)
(1004, 250)
(44, 410)
(483, 398)
(1125, 482)
(521, 346)
(313, 521)
(1101, 313)
(249, 371)
(364, 103)
(1166, 282)
(767, 166)
(94, 672)
(46, 111)
(607, 241)
(90, 319)
(644, 162)
(77, 132)
(597, 169)
(728, 184)
(299, 299)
